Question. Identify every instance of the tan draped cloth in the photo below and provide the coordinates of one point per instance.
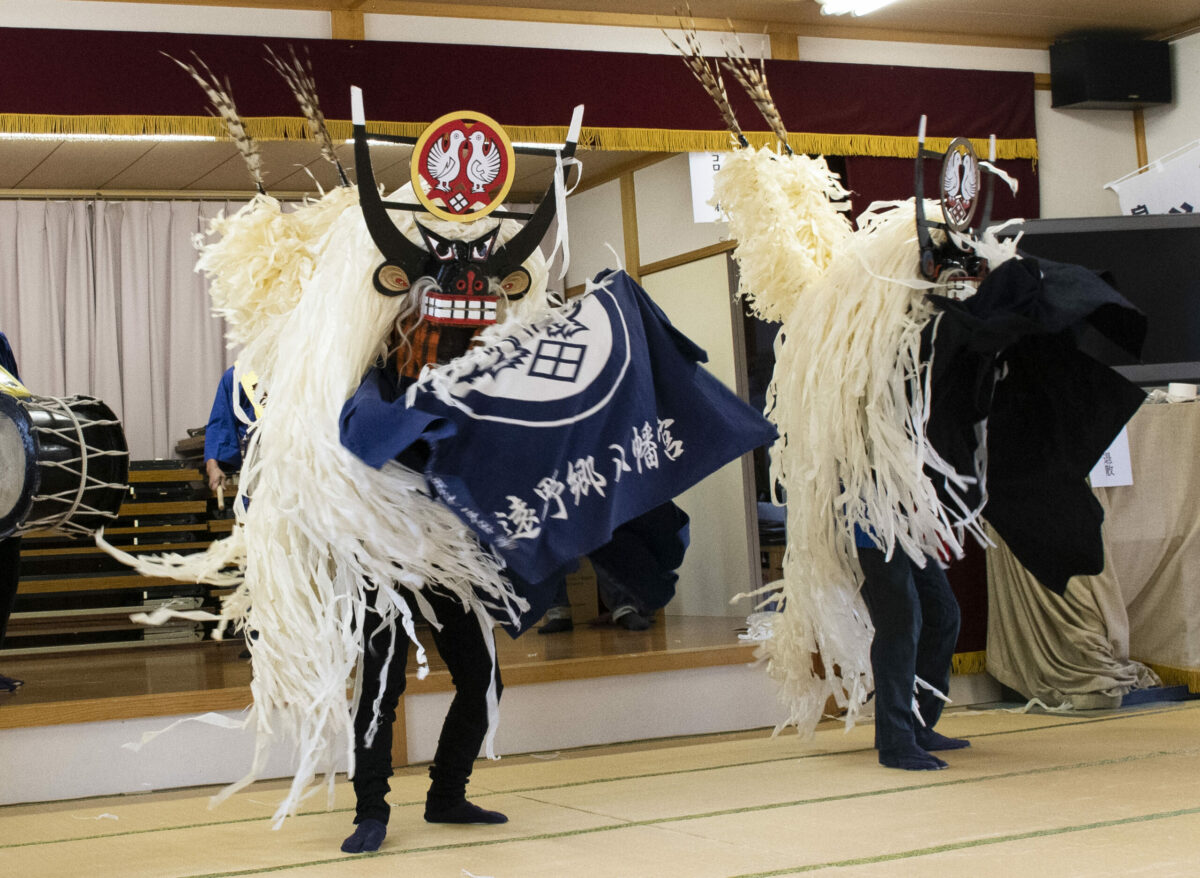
(1076, 649)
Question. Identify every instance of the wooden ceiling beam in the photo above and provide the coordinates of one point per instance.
(1186, 29)
(347, 25)
(346, 21)
(479, 11)
(785, 46)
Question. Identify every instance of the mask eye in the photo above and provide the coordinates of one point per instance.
(481, 248)
(442, 250)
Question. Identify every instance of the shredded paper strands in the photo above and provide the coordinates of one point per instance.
(320, 536)
(782, 214)
(850, 398)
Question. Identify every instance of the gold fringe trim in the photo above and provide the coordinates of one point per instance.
(619, 139)
(880, 145)
(968, 662)
(1172, 676)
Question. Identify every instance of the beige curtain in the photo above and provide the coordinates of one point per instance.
(100, 298)
(1146, 603)
(1072, 649)
(1153, 540)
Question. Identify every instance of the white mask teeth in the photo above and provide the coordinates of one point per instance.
(467, 310)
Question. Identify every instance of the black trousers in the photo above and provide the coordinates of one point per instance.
(916, 619)
(10, 577)
(463, 646)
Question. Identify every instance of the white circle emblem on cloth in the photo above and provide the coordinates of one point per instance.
(561, 374)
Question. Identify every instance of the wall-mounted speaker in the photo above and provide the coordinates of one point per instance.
(1109, 73)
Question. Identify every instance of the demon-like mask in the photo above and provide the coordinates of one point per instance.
(461, 171)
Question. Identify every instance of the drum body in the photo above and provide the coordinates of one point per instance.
(64, 465)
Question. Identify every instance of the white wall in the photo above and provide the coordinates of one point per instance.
(923, 55)
(1168, 128)
(544, 35)
(1080, 151)
(594, 226)
(163, 17)
(720, 560)
(303, 24)
(664, 212)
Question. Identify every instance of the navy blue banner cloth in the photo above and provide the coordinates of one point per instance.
(559, 434)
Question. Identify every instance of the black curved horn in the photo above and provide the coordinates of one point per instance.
(513, 252)
(392, 243)
(520, 246)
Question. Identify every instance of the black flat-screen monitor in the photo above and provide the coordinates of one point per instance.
(1155, 263)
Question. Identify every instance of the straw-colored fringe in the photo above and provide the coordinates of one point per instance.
(969, 662)
(1175, 676)
(258, 271)
(266, 128)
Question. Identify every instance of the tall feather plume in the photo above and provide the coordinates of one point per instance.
(754, 81)
(299, 77)
(708, 76)
(224, 108)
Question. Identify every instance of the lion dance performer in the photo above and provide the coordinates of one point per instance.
(907, 417)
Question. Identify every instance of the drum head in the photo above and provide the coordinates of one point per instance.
(18, 464)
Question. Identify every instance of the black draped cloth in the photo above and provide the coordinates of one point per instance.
(1009, 357)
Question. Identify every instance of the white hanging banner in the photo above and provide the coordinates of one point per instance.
(703, 167)
(1168, 185)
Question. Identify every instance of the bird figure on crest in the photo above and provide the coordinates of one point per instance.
(483, 164)
(444, 162)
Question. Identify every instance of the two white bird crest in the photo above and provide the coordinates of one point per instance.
(960, 183)
(465, 162)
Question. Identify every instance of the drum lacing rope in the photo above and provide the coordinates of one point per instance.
(61, 521)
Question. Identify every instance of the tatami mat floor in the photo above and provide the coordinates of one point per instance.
(1092, 794)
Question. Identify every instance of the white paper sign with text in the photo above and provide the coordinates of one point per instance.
(1114, 467)
(703, 167)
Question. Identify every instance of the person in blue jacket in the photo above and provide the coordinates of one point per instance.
(225, 434)
(10, 549)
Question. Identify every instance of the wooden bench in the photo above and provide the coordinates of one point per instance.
(73, 596)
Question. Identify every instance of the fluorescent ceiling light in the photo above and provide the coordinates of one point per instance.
(855, 7)
(111, 138)
(349, 141)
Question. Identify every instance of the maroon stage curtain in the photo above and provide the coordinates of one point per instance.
(633, 101)
(891, 179)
